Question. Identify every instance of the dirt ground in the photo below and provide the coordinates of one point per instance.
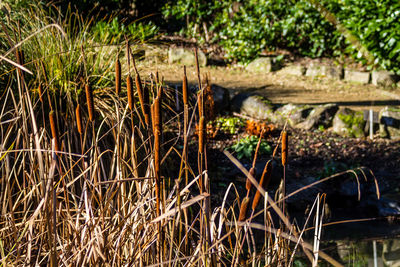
(281, 88)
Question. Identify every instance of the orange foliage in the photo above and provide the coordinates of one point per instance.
(255, 128)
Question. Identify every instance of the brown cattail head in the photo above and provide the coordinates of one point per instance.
(117, 77)
(139, 89)
(264, 181)
(284, 148)
(201, 134)
(184, 87)
(129, 92)
(54, 130)
(40, 91)
(89, 101)
(252, 172)
(78, 119)
(243, 209)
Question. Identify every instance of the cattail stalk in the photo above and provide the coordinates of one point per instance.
(129, 92)
(54, 130)
(252, 172)
(284, 163)
(156, 132)
(78, 119)
(89, 101)
(117, 77)
(264, 181)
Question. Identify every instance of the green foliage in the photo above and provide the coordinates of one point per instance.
(115, 32)
(246, 147)
(229, 125)
(247, 28)
(376, 25)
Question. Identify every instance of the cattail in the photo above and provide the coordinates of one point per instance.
(264, 181)
(284, 148)
(129, 92)
(184, 87)
(117, 77)
(201, 135)
(139, 89)
(252, 172)
(78, 118)
(89, 101)
(54, 131)
(155, 108)
(243, 209)
(40, 91)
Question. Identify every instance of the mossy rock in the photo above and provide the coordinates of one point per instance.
(348, 122)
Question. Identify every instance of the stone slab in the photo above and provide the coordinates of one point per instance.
(357, 76)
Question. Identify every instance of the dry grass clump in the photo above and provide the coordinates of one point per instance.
(114, 193)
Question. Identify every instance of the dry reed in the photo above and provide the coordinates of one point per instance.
(252, 172)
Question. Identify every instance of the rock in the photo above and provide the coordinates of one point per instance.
(357, 76)
(221, 99)
(185, 57)
(321, 115)
(293, 113)
(384, 78)
(348, 122)
(254, 106)
(389, 119)
(263, 65)
(317, 70)
(295, 70)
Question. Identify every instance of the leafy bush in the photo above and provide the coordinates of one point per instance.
(248, 28)
(246, 147)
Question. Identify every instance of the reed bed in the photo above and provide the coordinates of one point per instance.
(100, 186)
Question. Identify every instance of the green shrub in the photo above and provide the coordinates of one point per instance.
(247, 28)
(246, 147)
